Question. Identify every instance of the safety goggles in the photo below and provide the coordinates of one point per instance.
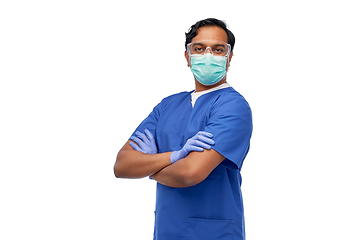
(216, 48)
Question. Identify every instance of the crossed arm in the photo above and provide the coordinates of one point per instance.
(186, 172)
(190, 170)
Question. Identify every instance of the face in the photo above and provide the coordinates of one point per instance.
(210, 33)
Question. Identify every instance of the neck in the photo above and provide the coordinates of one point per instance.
(199, 87)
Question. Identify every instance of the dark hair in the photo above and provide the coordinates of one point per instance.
(194, 29)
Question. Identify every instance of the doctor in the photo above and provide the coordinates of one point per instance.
(194, 144)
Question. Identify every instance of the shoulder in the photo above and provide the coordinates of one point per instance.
(229, 100)
(174, 98)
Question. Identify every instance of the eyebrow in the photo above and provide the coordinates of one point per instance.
(198, 44)
(219, 45)
(216, 45)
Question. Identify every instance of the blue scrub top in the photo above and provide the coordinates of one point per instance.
(212, 209)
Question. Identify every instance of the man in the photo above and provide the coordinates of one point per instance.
(193, 144)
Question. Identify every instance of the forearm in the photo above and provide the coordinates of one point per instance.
(183, 173)
(135, 164)
(173, 175)
(190, 170)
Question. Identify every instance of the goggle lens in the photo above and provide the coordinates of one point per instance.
(217, 48)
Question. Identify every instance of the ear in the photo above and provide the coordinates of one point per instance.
(187, 58)
(230, 56)
(229, 59)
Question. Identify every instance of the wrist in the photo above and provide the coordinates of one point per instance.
(176, 156)
(173, 156)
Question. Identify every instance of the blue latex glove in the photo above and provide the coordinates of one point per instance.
(197, 143)
(145, 142)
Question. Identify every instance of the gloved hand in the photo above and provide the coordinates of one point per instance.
(197, 143)
(145, 142)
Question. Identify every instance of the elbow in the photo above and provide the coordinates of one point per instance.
(120, 172)
(117, 167)
(123, 170)
(192, 177)
(120, 169)
(117, 171)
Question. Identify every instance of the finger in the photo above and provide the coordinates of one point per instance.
(206, 134)
(201, 144)
(195, 149)
(149, 136)
(142, 136)
(138, 141)
(206, 140)
(135, 147)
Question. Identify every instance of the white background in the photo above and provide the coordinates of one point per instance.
(77, 77)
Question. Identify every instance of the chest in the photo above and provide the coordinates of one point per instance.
(180, 121)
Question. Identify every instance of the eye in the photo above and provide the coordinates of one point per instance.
(219, 50)
(198, 49)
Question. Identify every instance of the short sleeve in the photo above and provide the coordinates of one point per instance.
(230, 122)
(151, 121)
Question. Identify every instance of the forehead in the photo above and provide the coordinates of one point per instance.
(211, 33)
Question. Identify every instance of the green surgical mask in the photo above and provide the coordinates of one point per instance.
(208, 69)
